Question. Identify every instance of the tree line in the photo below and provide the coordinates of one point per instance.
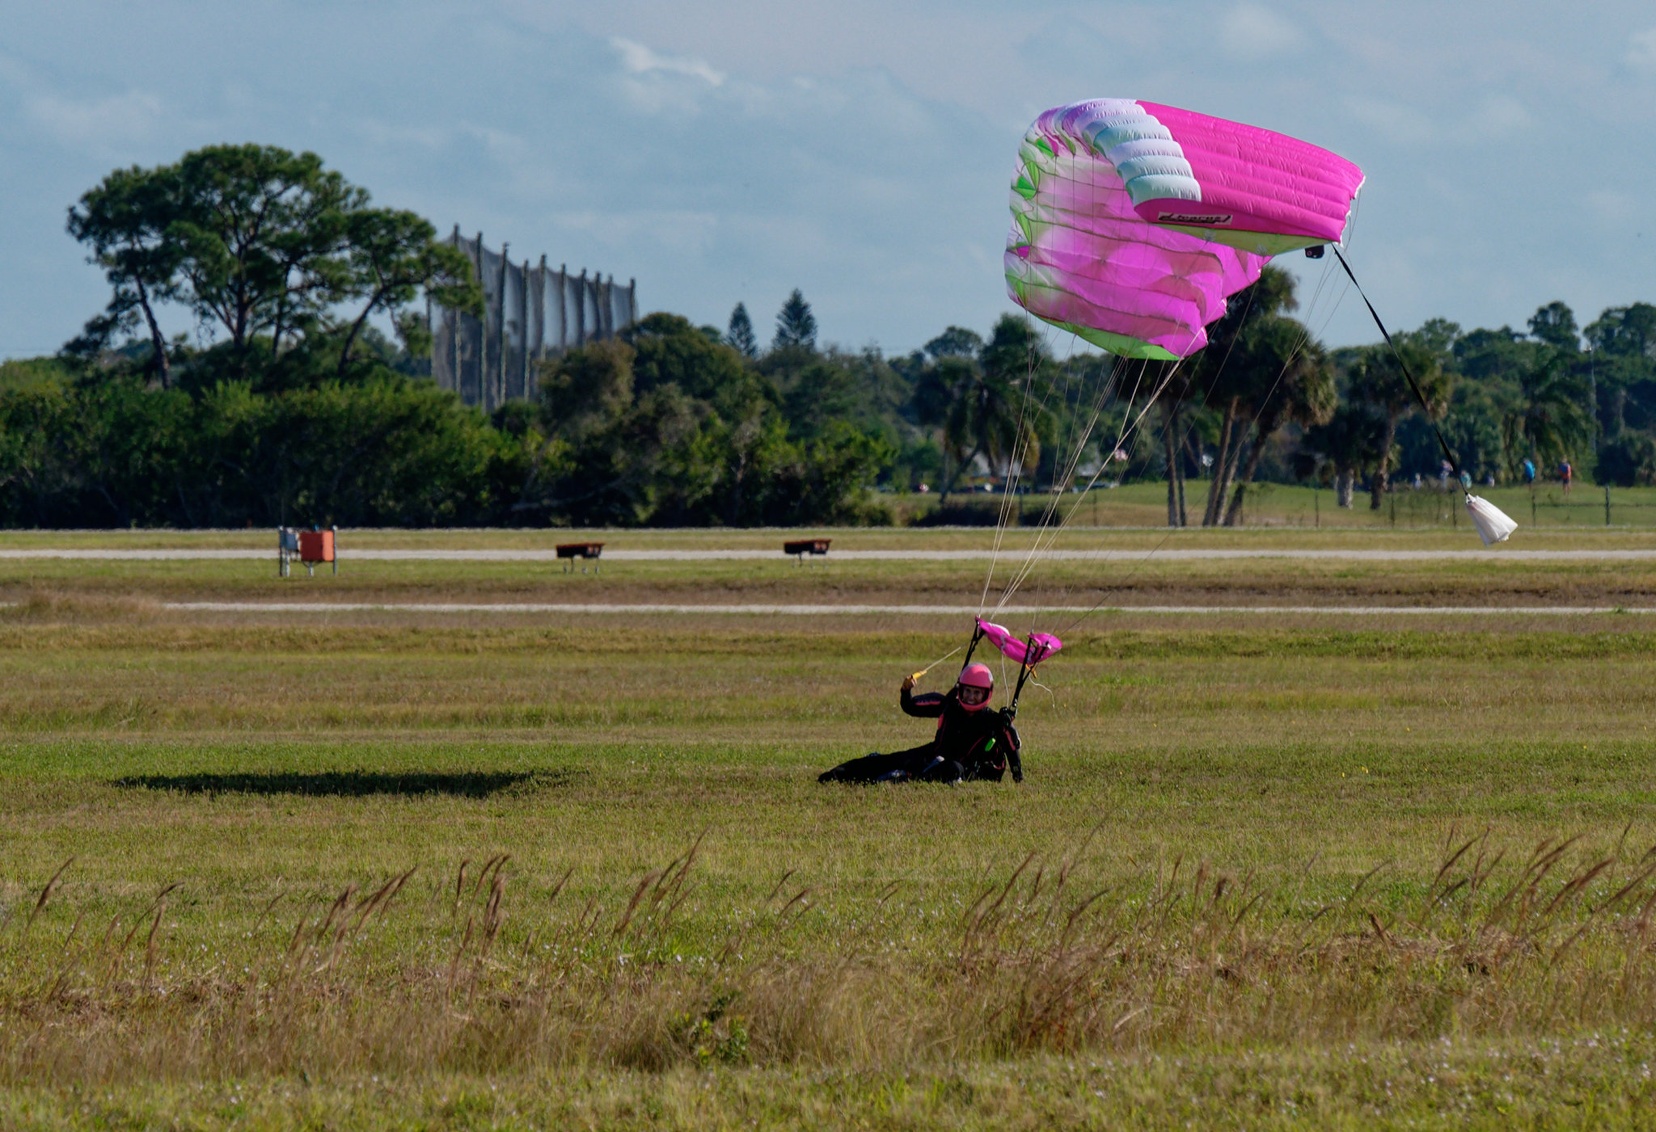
(304, 397)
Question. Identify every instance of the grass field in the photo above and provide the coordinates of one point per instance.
(1305, 507)
(369, 869)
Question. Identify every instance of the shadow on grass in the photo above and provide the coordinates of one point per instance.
(356, 783)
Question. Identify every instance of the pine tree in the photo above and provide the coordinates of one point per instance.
(740, 334)
(795, 324)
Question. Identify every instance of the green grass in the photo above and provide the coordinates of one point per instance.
(1228, 892)
(1116, 569)
(1304, 507)
(1121, 516)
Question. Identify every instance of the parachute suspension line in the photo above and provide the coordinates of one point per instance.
(1020, 456)
(1074, 448)
(1034, 683)
(1014, 474)
(1214, 508)
(1304, 337)
(1293, 356)
(1072, 464)
(1094, 608)
(1414, 386)
(1154, 550)
(1317, 295)
(1130, 426)
(1019, 444)
(1047, 533)
(1067, 444)
(1325, 285)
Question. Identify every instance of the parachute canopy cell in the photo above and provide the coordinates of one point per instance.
(1132, 222)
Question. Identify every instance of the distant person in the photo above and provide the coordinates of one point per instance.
(1444, 470)
(1489, 479)
(1466, 480)
(1418, 483)
(1565, 474)
(1529, 472)
(972, 741)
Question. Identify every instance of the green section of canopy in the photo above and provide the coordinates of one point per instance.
(1118, 344)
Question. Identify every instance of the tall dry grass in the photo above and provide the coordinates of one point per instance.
(451, 974)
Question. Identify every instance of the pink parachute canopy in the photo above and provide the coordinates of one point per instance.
(1132, 221)
(1037, 648)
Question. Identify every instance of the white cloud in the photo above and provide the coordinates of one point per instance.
(1250, 31)
(735, 149)
(1393, 121)
(1641, 50)
(674, 230)
(640, 60)
(1499, 116)
(655, 84)
(1493, 118)
(1613, 207)
(98, 123)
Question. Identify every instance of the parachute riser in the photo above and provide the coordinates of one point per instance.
(977, 635)
(1025, 671)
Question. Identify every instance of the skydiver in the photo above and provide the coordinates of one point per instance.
(972, 741)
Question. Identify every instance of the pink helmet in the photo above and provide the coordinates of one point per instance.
(974, 686)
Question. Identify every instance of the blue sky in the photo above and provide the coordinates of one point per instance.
(857, 149)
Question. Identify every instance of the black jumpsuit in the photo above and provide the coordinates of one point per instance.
(968, 744)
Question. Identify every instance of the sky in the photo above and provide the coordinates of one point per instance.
(724, 151)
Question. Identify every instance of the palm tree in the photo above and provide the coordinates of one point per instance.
(1240, 370)
(1378, 378)
(1549, 422)
(989, 417)
(994, 409)
(1349, 442)
(1301, 391)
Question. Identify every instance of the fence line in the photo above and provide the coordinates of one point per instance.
(529, 312)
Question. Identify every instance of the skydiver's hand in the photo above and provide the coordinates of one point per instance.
(908, 683)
